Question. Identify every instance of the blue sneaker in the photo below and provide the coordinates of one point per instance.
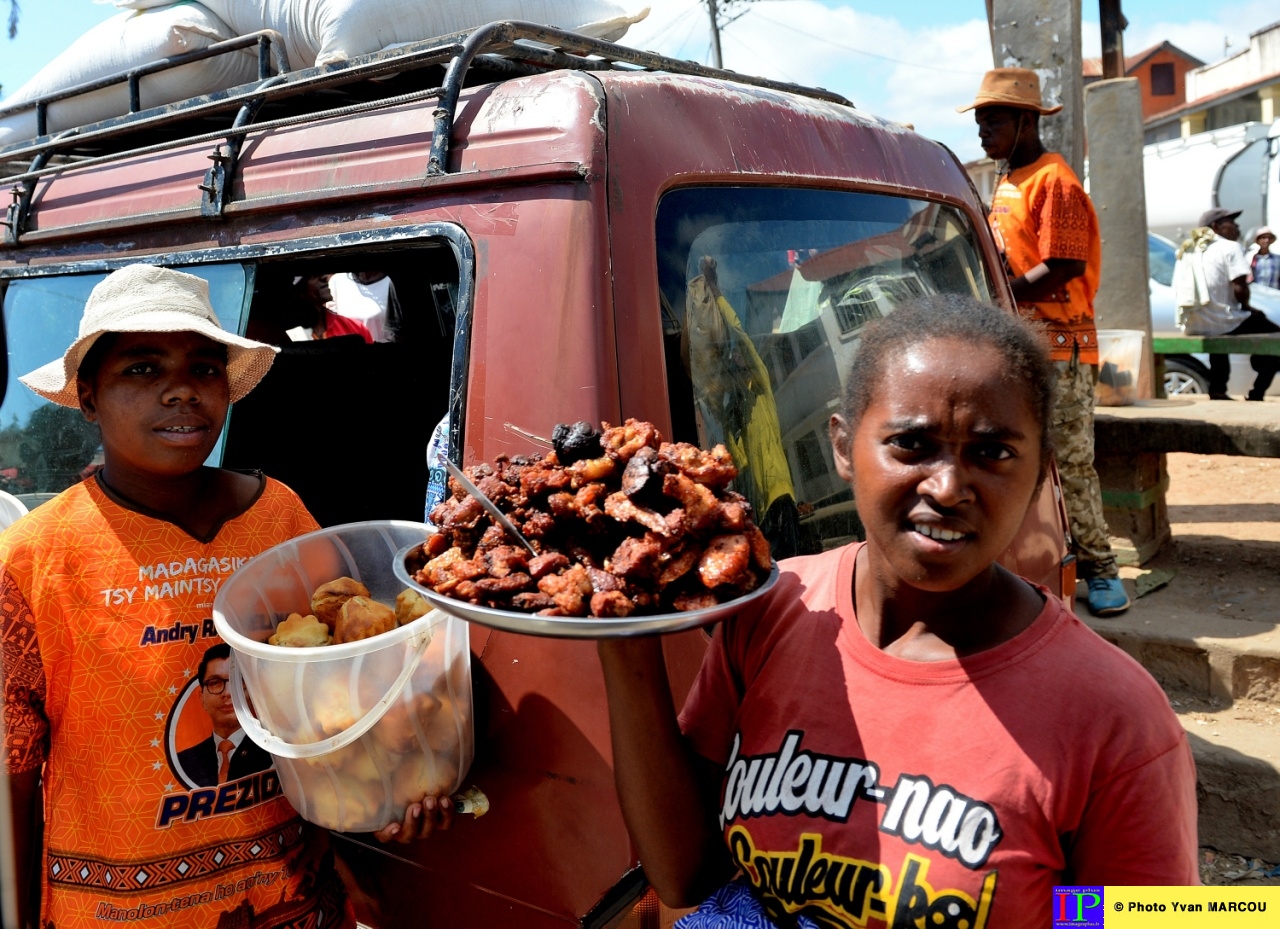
(1107, 596)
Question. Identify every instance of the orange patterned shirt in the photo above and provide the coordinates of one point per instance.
(1038, 212)
(105, 616)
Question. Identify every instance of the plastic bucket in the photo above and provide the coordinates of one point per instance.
(359, 730)
(1119, 362)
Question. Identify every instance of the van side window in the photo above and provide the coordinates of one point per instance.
(45, 448)
(345, 414)
(764, 294)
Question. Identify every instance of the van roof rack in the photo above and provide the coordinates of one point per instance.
(280, 98)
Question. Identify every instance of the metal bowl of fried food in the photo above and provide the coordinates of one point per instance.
(615, 532)
(578, 627)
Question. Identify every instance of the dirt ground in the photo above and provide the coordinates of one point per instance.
(1225, 516)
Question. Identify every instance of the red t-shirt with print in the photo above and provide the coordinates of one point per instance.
(865, 789)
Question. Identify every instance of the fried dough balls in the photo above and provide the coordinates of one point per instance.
(397, 732)
(329, 598)
(409, 606)
(413, 750)
(362, 618)
(331, 707)
(422, 776)
(301, 632)
(343, 611)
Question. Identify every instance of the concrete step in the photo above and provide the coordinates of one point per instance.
(1237, 753)
(1223, 680)
(1201, 655)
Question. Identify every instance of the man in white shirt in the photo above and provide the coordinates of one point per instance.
(365, 296)
(1227, 312)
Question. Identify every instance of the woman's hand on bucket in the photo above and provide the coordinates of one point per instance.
(420, 820)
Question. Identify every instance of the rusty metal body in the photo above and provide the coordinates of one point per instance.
(554, 183)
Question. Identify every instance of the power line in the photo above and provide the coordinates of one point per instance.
(671, 24)
(756, 55)
(861, 51)
(721, 14)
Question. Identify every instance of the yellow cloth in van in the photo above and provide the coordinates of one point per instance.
(732, 387)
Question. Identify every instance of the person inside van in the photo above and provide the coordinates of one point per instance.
(901, 731)
(319, 321)
(107, 592)
(369, 298)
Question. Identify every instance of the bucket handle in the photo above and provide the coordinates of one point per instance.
(275, 745)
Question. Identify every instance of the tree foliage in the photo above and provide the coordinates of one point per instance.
(13, 19)
(49, 453)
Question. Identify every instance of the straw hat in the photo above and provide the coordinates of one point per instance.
(144, 298)
(1015, 87)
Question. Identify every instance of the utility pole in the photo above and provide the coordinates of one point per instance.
(1044, 35)
(1113, 24)
(716, 55)
(722, 14)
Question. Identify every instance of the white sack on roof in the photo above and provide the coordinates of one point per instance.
(127, 41)
(319, 32)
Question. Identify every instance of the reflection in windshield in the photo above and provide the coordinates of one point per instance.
(45, 448)
(764, 295)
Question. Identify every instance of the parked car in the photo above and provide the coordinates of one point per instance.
(1189, 374)
(540, 227)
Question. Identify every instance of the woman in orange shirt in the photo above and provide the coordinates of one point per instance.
(105, 600)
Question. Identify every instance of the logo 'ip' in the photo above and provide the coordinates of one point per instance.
(1078, 907)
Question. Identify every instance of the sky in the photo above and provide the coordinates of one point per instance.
(913, 62)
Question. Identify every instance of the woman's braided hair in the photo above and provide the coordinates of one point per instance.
(953, 316)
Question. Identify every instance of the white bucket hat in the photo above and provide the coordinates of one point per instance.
(145, 298)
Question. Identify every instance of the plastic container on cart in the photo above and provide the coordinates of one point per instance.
(1119, 363)
(358, 730)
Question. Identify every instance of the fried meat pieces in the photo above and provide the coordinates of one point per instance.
(631, 524)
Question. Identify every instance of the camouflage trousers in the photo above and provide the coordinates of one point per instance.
(1072, 430)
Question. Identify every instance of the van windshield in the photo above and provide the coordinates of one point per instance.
(764, 294)
(45, 448)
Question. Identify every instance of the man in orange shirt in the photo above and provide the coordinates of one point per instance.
(1047, 231)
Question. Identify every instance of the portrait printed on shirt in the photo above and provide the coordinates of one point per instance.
(217, 768)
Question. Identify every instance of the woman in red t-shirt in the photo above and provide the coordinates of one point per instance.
(902, 732)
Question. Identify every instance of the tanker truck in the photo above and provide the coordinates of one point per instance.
(1237, 167)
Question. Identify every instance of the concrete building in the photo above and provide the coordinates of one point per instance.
(1242, 88)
